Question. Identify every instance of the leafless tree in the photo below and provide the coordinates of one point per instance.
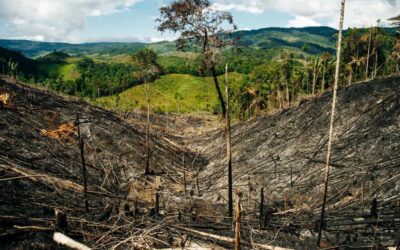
(328, 155)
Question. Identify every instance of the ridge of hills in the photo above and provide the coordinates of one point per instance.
(316, 39)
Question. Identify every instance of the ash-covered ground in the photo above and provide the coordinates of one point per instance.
(284, 153)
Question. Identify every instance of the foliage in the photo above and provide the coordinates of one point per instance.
(148, 67)
(12, 62)
(172, 93)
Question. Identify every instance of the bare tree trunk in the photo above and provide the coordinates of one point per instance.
(350, 80)
(323, 78)
(261, 207)
(220, 97)
(376, 64)
(84, 174)
(147, 171)
(287, 94)
(368, 55)
(315, 75)
(184, 174)
(328, 155)
(157, 208)
(237, 220)
(228, 146)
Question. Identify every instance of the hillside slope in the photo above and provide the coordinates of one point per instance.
(285, 153)
(172, 93)
(41, 170)
(40, 173)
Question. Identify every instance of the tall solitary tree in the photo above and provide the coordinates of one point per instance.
(197, 21)
(330, 135)
(149, 69)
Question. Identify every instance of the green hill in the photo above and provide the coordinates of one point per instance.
(313, 39)
(26, 66)
(176, 93)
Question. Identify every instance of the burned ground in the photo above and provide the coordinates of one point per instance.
(284, 153)
(40, 165)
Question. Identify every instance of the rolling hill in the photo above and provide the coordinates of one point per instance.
(313, 39)
(172, 93)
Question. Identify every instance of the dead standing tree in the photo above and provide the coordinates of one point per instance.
(328, 155)
(228, 146)
(147, 60)
(237, 218)
(197, 21)
(82, 153)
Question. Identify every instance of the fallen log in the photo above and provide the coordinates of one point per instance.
(68, 242)
(224, 239)
(32, 175)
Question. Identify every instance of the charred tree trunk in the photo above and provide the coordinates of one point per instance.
(184, 175)
(237, 220)
(61, 224)
(220, 97)
(84, 174)
(214, 73)
(328, 155)
(228, 146)
(157, 208)
(262, 208)
(147, 170)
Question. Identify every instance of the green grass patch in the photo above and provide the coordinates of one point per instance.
(174, 93)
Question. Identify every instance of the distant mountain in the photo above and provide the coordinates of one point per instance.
(34, 49)
(311, 39)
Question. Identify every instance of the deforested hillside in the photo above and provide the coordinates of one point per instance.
(182, 201)
(285, 154)
(41, 172)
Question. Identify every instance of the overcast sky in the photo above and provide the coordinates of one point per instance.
(133, 20)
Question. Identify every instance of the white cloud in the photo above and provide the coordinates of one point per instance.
(301, 21)
(359, 13)
(55, 19)
(251, 7)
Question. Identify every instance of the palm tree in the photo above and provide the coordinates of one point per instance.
(328, 155)
(395, 21)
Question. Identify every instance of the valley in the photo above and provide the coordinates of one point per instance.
(200, 125)
(280, 154)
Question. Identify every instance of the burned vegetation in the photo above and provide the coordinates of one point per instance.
(75, 169)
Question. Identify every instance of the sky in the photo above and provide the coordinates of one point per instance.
(78, 21)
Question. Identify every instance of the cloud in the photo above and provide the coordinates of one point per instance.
(53, 20)
(359, 13)
(301, 21)
(251, 7)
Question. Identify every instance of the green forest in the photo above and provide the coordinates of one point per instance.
(269, 74)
